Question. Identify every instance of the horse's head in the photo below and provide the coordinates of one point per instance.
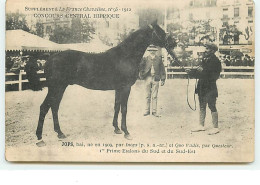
(160, 38)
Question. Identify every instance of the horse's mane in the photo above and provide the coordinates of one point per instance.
(129, 39)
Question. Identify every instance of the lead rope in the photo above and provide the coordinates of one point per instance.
(194, 95)
(181, 66)
(187, 93)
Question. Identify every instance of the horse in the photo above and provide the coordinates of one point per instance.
(115, 69)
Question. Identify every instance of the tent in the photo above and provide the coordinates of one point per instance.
(19, 40)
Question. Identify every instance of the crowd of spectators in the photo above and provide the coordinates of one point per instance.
(16, 63)
(245, 60)
(226, 60)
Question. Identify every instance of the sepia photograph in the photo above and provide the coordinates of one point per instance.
(130, 81)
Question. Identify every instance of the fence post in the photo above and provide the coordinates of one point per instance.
(20, 80)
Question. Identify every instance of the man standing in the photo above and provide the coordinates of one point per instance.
(31, 69)
(206, 89)
(152, 71)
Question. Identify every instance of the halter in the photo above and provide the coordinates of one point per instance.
(165, 40)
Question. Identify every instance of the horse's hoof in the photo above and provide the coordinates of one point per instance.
(128, 137)
(61, 136)
(118, 131)
(41, 143)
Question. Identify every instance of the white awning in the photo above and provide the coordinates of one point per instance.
(22, 40)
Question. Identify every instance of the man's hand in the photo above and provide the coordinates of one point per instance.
(162, 83)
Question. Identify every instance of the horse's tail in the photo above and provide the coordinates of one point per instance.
(32, 76)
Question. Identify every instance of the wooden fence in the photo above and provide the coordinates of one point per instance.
(12, 79)
(227, 72)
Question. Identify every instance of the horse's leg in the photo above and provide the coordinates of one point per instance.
(117, 108)
(44, 108)
(55, 104)
(125, 91)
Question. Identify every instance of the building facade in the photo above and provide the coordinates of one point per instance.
(228, 23)
(239, 16)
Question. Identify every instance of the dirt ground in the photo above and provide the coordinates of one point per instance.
(86, 115)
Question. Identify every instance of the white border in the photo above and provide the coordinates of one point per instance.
(74, 174)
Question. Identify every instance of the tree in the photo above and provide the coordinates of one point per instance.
(87, 30)
(149, 15)
(124, 35)
(39, 29)
(177, 31)
(16, 21)
(79, 32)
(228, 33)
(174, 28)
(76, 28)
(106, 40)
(61, 35)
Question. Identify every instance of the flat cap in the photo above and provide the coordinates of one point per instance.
(152, 48)
(211, 46)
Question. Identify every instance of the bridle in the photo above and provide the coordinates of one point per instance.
(166, 45)
(165, 40)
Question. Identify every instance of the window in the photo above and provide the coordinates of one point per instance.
(250, 11)
(211, 3)
(225, 16)
(191, 3)
(225, 24)
(225, 9)
(208, 2)
(250, 21)
(236, 12)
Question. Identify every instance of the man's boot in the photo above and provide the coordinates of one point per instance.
(214, 130)
(202, 121)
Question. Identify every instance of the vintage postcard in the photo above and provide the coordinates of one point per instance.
(130, 81)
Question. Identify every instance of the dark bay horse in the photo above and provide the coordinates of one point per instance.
(116, 69)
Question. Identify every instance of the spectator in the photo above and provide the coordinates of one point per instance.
(227, 60)
(247, 60)
(252, 61)
(8, 64)
(31, 69)
(152, 71)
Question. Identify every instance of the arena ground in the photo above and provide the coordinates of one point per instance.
(86, 115)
